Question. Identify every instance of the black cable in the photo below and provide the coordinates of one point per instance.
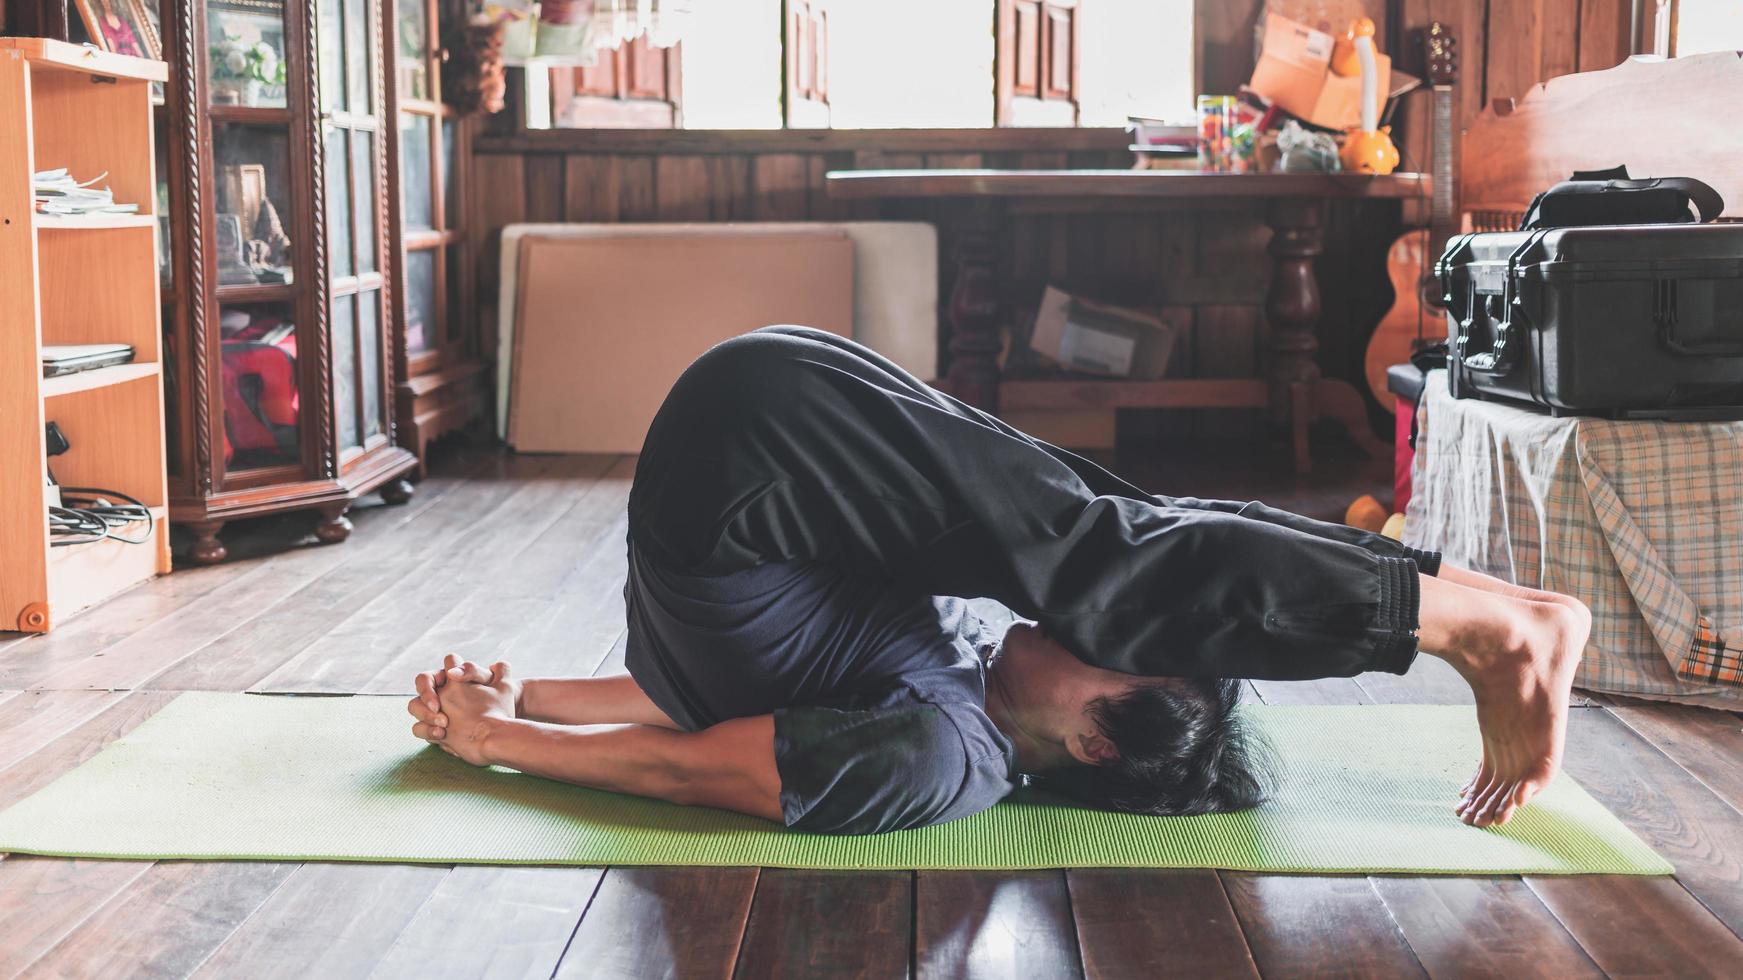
(96, 519)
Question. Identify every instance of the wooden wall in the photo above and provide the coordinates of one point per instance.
(1205, 268)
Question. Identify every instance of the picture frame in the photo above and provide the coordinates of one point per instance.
(121, 27)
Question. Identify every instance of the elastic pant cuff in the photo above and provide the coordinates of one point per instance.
(1427, 562)
(1395, 624)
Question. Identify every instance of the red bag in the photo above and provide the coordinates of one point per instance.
(260, 398)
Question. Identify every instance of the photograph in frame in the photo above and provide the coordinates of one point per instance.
(121, 27)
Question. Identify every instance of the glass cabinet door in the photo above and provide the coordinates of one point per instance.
(352, 139)
(253, 194)
(429, 242)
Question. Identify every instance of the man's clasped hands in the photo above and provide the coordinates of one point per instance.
(458, 706)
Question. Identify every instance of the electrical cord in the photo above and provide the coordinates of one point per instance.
(90, 516)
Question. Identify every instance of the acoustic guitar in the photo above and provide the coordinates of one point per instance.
(1415, 318)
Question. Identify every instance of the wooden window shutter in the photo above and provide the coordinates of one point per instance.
(805, 71)
(1035, 65)
(633, 86)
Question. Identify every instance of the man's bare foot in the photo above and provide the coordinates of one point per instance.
(1518, 649)
(1521, 684)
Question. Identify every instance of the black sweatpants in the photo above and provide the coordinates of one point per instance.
(790, 444)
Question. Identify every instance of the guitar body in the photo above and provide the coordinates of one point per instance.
(1396, 338)
(1415, 316)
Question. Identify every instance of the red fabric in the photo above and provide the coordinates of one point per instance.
(248, 422)
(1403, 412)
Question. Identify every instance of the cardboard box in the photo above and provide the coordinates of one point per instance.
(1100, 339)
(605, 325)
(1294, 73)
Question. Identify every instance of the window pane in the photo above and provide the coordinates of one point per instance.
(1708, 25)
(451, 210)
(414, 36)
(731, 64)
(332, 55)
(252, 204)
(245, 53)
(343, 327)
(420, 300)
(339, 258)
(414, 171)
(369, 334)
(165, 256)
(1136, 60)
(358, 81)
(946, 67)
(258, 345)
(363, 199)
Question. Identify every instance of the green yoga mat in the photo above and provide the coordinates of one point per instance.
(238, 776)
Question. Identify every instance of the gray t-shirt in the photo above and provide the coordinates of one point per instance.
(878, 693)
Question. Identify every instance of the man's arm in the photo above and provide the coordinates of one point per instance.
(589, 701)
(615, 700)
(730, 766)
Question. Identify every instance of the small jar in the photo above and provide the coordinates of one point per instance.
(1216, 125)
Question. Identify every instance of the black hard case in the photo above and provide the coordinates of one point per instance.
(1624, 321)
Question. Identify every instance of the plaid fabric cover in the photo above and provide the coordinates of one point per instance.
(1641, 520)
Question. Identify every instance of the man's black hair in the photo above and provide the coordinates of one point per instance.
(1183, 750)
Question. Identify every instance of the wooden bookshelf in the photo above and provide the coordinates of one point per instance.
(77, 280)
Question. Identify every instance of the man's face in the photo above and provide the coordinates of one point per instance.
(1053, 690)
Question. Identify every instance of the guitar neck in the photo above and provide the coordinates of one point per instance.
(1442, 220)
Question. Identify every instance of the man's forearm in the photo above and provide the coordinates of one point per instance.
(730, 766)
(614, 700)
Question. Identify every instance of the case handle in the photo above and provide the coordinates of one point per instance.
(1502, 353)
(1664, 315)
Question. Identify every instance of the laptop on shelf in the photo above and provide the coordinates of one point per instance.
(59, 359)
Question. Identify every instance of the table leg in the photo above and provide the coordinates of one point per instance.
(973, 307)
(1298, 393)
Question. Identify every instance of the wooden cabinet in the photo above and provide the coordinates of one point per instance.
(280, 326)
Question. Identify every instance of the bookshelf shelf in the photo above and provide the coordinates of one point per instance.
(77, 279)
(68, 384)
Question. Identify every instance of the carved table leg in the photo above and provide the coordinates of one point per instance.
(1298, 393)
(334, 526)
(396, 491)
(973, 307)
(207, 549)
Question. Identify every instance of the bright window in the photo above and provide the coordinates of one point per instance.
(1708, 25)
(875, 64)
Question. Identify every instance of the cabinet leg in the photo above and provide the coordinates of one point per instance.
(1300, 413)
(207, 549)
(973, 309)
(334, 526)
(396, 491)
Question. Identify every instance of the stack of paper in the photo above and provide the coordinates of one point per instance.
(56, 192)
(1162, 136)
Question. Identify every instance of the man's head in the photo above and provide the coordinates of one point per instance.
(1114, 741)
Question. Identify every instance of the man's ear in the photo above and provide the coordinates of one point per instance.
(1092, 749)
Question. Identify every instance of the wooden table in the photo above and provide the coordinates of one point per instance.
(1295, 392)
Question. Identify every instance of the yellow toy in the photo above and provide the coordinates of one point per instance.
(1368, 150)
(1370, 515)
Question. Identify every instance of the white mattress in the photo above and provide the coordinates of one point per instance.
(895, 295)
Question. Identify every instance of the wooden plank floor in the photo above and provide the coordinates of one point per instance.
(523, 557)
